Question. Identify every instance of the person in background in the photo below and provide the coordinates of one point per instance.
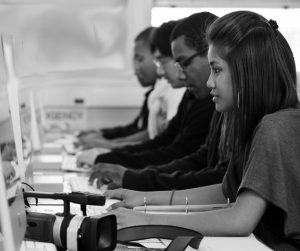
(166, 106)
(195, 76)
(253, 79)
(162, 102)
(145, 70)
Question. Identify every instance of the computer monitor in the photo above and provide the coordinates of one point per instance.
(12, 209)
(11, 86)
(31, 126)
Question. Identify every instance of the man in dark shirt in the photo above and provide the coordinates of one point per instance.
(204, 167)
(189, 56)
(146, 73)
(186, 131)
(145, 70)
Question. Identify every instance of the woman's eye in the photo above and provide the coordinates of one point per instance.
(216, 70)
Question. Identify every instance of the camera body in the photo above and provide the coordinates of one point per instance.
(72, 232)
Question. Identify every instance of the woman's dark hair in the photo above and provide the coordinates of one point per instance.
(194, 28)
(161, 38)
(262, 68)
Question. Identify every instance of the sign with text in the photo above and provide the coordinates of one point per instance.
(65, 119)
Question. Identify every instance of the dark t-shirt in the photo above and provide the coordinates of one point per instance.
(273, 172)
(183, 135)
(201, 168)
(138, 124)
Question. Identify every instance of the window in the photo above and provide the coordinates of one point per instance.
(286, 19)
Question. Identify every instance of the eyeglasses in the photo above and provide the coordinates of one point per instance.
(181, 66)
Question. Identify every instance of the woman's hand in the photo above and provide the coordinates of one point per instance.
(129, 198)
(128, 217)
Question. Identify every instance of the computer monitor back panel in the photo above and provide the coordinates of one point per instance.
(16, 209)
(25, 114)
(12, 196)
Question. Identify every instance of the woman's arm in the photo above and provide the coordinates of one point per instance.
(239, 220)
(212, 194)
(202, 195)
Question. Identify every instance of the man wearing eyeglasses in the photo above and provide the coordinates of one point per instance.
(190, 55)
(207, 165)
(190, 48)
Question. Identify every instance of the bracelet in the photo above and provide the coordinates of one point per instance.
(228, 202)
(186, 204)
(145, 204)
(171, 197)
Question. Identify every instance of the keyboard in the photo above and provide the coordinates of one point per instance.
(81, 184)
(69, 163)
(37, 246)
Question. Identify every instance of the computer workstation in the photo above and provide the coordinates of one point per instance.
(14, 228)
(12, 172)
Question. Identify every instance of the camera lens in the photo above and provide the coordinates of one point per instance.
(98, 234)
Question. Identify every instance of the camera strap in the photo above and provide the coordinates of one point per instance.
(72, 232)
(181, 237)
(56, 231)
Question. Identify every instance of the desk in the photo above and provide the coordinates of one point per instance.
(45, 176)
(51, 179)
(232, 244)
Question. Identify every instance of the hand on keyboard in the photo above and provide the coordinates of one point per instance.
(69, 163)
(81, 184)
(105, 173)
(89, 156)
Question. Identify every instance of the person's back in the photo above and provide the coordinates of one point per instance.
(283, 130)
(274, 171)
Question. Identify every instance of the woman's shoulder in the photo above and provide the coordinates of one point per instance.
(281, 122)
(284, 116)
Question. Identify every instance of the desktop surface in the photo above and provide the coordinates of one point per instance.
(56, 180)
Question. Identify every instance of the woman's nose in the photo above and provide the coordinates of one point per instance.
(210, 83)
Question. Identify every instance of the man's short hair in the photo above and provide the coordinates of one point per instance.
(145, 36)
(161, 38)
(194, 28)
